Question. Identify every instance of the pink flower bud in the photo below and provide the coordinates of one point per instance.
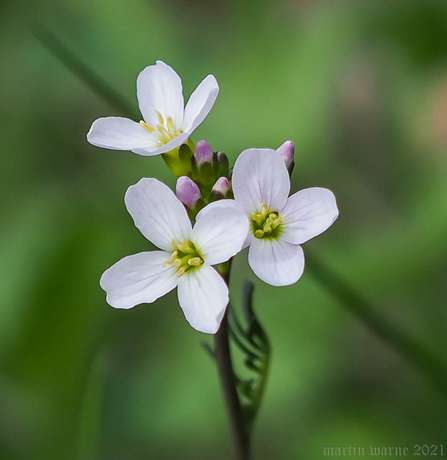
(203, 153)
(221, 187)
(286, 151)
(187, 191)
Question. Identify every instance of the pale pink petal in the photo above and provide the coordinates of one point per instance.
(308, 213)
(158, 213)
(203, 296)
(276, 262)
(160, 88)
(260, 177)
(117, 133)
(137, 279)
(220, 232)
(200, 103)
(220, 204)
(158, 150)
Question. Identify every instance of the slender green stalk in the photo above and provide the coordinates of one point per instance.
(92, 409)
(239, 434)
(83, 71)
(433, 368)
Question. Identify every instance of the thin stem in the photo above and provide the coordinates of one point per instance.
(239, 434)
(430, 365)
(83, 71)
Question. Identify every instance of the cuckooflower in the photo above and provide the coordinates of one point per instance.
(167, 124)
(286, 152)
(203, 153)
(221, 187)
(185, 258)
(187, 191)
(279, 224)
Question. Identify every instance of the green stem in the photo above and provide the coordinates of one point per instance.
(430, 365)
(239, 434)
(85, 73)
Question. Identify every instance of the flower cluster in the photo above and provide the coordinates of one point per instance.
(249, 206)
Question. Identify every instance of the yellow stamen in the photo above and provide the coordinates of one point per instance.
(268, 225)
(277, 222)
(185, 247)
(259, 234)
(163, 131)
(173, 259)
(184, 257)
(265, 223)
(195, 261)
(257, 218)
(170, 124)
(160, 118)
(146, 126)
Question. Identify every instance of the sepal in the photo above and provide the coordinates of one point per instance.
(254, 344)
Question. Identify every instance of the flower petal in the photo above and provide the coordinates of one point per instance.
(233, 204)
(140, 278)
(200, 103)
(157, 213)
(220, 204)
(308, 213)
(220, 232)
(160, 88)
(276, 262)
(117, 133)
(248, 240)
(203, 296)
(260, 177)
(158, 150)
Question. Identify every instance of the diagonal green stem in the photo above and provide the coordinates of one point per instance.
(239, 434)
(83, 71)
(430, 365)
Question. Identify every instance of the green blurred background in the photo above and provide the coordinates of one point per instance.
(361, 88)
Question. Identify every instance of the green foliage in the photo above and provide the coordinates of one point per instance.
(255, 346)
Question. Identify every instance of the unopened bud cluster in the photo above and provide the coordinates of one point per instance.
(208, 166)
(206, 176)
(207, 172)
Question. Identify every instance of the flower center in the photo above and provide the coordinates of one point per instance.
(185, 257)
(266, 224)
(165, 130)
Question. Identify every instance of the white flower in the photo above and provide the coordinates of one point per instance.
(185, 258)
(166, 125)
(278, 223)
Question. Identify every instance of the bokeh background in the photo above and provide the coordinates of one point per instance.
(361, 88)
